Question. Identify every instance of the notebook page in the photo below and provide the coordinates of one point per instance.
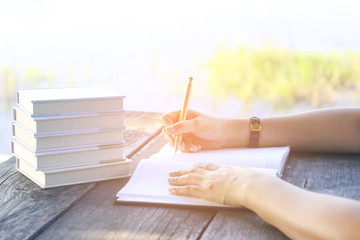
(247, 157)
(149, 183)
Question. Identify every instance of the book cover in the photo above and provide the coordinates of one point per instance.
(69, 176)
(65, 157)
(54, 101)
(70, 139)
(62, 122)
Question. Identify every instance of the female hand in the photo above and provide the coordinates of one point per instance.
(203, 132)
(211, 182)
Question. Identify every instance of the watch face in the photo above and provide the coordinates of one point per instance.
(255, 124)
(255, 128)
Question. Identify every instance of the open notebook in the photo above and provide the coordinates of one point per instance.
(149, 183)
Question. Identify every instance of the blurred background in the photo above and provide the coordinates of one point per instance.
(256, 57)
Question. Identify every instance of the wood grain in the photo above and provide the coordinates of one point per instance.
(335, 174)
(97, 217)
(26, 209)
(240, 225)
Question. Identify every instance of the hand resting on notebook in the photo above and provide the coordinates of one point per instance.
(211, 182)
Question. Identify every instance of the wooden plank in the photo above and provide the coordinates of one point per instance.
(335, 174)
(141, 127)
(26, 209)
(240, 225)
(97, 217)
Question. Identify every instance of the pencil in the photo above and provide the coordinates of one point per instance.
(183, 113)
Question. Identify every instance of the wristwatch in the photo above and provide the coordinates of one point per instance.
(255, 128)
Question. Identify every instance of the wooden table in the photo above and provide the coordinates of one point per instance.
(87, 211)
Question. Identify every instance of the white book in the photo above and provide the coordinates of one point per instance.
(66, 139)
(75, 175)
(149, 183)
(61, 158)
(38, 124)
(55, 101)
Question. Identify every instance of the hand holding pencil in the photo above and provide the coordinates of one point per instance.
(191, 131)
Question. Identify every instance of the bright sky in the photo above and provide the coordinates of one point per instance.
(234, 21)
(139, 42)
(134, 45)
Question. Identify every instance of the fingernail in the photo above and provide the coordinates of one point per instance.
(173, 173)
(172, 179)
(194, 148)
(170, 129)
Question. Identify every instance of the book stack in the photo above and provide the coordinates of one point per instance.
(64, 136)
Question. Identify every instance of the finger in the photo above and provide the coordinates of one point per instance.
(185, 143)
(188, 144)
(207, 166)
(173, 117)
(225, 168)
(190, 148)
(187, 171)
(188, 179)
(187, 126)
(192, 114)
(182, 146)
(169, 138)
(170, 118)
(194, 148)
(193, 191)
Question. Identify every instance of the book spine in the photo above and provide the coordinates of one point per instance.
(13, 130)
(14, 114)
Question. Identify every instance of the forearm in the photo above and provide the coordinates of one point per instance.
(331, 130)
(301, 214)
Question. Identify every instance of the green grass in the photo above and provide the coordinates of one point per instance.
(281, 76)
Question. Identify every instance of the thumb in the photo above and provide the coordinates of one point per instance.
(186, 126)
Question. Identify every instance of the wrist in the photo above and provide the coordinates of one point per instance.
(236, 133)
(246, 184)
(255, 188)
